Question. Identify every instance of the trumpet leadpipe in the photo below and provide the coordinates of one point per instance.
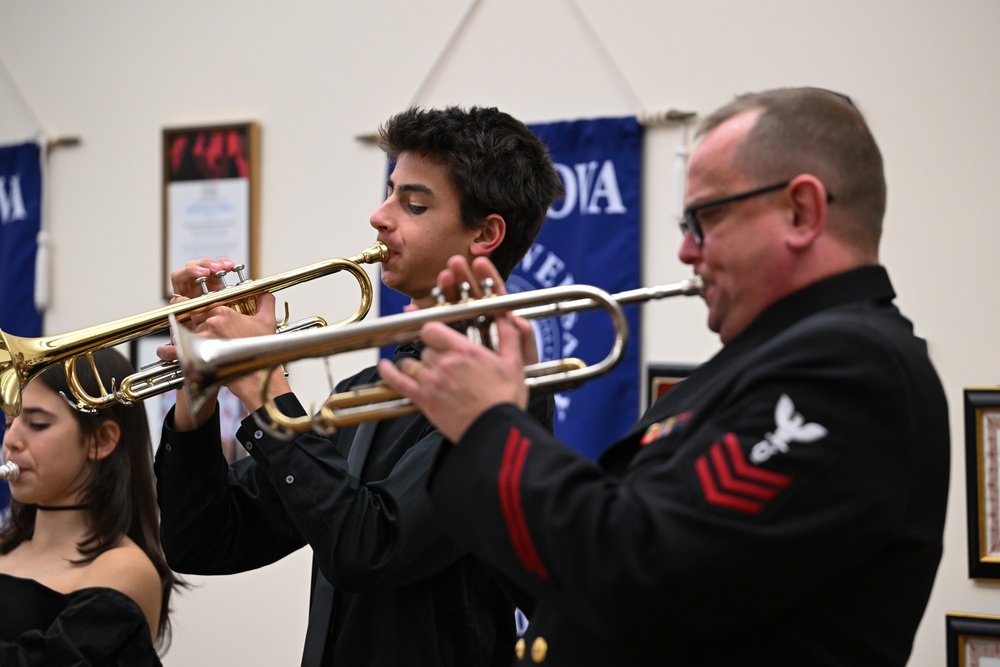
(562, 374)
(688, 287)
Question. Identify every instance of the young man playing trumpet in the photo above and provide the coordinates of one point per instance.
(389, 588)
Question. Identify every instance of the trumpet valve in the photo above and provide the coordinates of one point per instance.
(247, 306)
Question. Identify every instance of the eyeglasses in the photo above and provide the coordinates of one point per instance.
(690, 224)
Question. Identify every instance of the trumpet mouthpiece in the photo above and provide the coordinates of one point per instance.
(9, 471)
(376, 254)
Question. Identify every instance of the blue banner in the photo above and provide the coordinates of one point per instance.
(20, 222)
(590, 237)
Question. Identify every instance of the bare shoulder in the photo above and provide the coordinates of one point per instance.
(127, 569)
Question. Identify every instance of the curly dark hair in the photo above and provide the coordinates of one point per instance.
(495, 162)
(121, 495)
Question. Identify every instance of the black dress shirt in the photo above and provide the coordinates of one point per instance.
(405, 593)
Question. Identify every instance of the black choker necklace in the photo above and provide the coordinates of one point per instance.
(61, 508)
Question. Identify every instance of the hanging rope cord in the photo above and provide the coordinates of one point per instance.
(646, 118)
(47, 141)
(44, 136)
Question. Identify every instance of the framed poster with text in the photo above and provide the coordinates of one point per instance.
(210, 195)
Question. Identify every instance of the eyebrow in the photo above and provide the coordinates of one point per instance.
(31, 412)
(411, 187)
(37, 411)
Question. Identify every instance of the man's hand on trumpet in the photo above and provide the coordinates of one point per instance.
(221, 322)
(184, 282)
(185, 279)
(457, 380)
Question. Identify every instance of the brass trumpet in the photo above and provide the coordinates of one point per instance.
(210, 363)
(21, 359)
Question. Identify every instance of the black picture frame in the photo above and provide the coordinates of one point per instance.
(982, 480)
(970, 638)
(662, 377)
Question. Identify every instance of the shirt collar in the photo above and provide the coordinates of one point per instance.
(867, 283)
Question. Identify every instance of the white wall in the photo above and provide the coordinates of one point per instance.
(317, 74)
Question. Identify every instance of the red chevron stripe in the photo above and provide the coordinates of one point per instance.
(730, 483)
(509, 488)
(744, 469)
(716, 497)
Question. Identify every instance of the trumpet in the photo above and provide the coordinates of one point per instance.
(210, 363)
(21, 359)
(9, 471)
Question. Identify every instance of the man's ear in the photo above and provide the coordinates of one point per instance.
(489, 236)
(809, 210)
(105, 440)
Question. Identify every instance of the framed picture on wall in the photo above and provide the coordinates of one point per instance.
(982, 480)
(231, 410)
(210, 195)
(973, 640)
(662, 377)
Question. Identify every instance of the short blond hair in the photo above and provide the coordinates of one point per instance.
(818, 132)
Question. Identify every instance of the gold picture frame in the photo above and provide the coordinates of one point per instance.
(982, 476)
(973, 640)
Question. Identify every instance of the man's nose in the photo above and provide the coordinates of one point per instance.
(689, 251)
(380, 218)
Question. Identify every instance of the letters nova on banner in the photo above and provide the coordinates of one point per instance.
(590, 237)
(20, 222)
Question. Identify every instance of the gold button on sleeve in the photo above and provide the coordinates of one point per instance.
(539, 649)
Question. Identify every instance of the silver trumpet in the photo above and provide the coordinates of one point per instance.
(211, 363)
(9, 471)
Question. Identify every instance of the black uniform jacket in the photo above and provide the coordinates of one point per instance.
(784, 505)
(406, 594)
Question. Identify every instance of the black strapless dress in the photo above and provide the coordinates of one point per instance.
(40, 627)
